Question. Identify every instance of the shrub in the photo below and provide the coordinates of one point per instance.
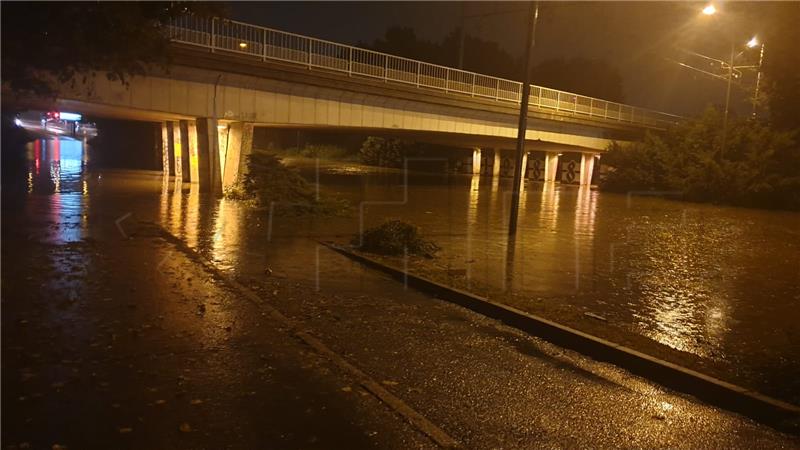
(395, 238)
(269, 182)
(382, 152)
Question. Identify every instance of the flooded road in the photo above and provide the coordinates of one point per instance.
(716, 285)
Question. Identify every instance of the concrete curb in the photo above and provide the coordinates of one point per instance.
(773, 412)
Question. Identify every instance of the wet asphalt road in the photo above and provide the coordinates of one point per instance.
(129, 343)
(109, 343)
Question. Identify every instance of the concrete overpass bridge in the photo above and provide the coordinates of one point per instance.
(227, 77)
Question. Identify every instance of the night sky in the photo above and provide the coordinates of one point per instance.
(634, 37)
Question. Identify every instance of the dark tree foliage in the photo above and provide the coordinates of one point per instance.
(479, 56)
(403, 41)
(760, 167)
(377, 151)
(591, 77)
(69, 39)
(582, 76)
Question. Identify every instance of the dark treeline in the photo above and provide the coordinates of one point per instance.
(489, 58)
(752, 165)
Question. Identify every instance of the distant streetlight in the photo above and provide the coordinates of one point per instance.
(242, 45)
(709, 10)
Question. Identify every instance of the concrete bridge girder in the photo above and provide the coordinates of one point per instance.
(318, 106)
(188, 93)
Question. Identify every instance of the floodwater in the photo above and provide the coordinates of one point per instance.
(716, 283)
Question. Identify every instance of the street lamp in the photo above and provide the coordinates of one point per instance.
(709, 10)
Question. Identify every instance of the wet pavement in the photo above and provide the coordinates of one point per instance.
(115, 338)
(127, 343)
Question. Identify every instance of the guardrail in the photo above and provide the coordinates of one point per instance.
(269, 44)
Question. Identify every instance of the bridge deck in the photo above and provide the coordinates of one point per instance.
(265, 44)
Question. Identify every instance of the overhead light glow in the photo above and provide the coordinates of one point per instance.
(752, 42)
(709, 10)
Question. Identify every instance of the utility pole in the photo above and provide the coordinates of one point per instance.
(523, 117)
(727, 100)
(758, 80)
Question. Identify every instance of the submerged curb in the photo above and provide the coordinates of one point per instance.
(776, 413)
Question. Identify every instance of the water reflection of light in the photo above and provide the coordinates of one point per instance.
(64, 181)
(37, 154)
(192, 216)
(687, 309)
(164, 198)
(225, 244)
(585, 212)
(548, 208)
(716, 320)
(54, 152)
(472, 215)
(176, 208)
(672, 317)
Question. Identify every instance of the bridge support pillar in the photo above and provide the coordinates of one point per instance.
(186, 151)
(496, 163)
(238, 144)
(523, 169)
(550, 167)
(587, 168)
(177, 150)
(476, 161)
(208, 156)
(168, 150)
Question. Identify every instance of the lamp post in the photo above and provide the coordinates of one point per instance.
(523, 118)
(752, 44)
(711, 10)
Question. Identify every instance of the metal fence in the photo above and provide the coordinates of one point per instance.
(228, 36)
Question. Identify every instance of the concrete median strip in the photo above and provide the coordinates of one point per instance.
(776, 413)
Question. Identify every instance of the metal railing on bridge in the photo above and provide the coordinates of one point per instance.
(269, 44)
